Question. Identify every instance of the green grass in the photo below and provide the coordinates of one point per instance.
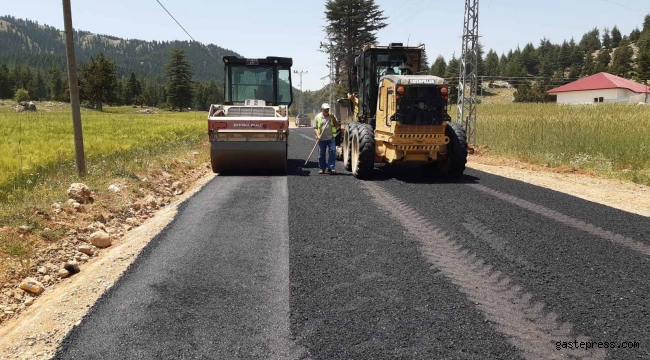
(122, 146)
(39, 146)
(609, 139)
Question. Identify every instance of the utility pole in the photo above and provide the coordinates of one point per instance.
(74, 90)
(302, 95)
(468, 82)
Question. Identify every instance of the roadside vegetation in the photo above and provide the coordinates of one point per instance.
(608, 139)
(143, 154)
(38, 147)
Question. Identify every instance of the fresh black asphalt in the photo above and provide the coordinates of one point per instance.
(308, 266)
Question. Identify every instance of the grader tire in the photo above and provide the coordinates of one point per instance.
(363, 151)
(347, 146)
(457, 150)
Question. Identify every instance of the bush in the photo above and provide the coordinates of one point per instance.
(21, 95)
(535, 94)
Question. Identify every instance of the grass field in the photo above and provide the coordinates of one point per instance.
(610, 139)
(38, 146)
(122, 146)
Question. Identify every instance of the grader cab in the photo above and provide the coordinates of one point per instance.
(399, 116)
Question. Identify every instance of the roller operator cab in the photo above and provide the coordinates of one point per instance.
(398, 115)
(249, 131)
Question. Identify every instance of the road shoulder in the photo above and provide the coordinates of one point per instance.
(38, 332)
(626, 196)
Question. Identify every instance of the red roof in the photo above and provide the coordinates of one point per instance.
(602, 81)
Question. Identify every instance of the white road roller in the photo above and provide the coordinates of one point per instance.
(249, 131)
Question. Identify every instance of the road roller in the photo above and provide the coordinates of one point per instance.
(249, 132)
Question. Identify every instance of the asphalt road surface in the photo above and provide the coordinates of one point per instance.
(314, 266)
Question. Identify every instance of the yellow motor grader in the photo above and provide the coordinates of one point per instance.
(398, 116)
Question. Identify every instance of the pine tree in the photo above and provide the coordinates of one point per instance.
(503, 62)
(56, 83)
(492, 64)
(616, 36)
(622, 64)
(99, 81)
(565, 56)
(132, 91)
(424, 62)
(199, 93)
(644, 41)
(480, 63)
(646, 24)
(635, 34)
(548, 65)
(643, 66)
(39, 86)
(515, 69)
(439, 67)
(529, 59)
(6, 88)
(607, 40)
(591, 41)
(602, 61)
(453, 68)
(351, 24)
(179, 81)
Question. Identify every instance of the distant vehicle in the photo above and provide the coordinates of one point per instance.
(303, 119)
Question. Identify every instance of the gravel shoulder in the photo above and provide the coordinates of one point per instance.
(37, 332)
(626, 196)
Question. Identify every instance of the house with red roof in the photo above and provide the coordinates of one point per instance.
(601, 87)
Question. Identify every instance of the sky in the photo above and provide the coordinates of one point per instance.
(294, 28)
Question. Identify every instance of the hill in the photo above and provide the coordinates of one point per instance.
(40, 46)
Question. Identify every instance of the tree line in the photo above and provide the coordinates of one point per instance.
(40, 46)
(606, 51)
(351, 24)
(100, 84)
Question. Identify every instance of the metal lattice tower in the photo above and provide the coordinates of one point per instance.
(302, 95)
(468, 82)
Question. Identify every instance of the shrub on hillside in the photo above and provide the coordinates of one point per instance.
(535, 94)
(21, 95)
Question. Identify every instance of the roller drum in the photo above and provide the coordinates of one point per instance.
(248, 157)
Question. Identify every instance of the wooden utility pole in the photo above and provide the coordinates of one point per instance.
(74, 90)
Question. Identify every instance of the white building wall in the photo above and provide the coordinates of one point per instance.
(587, 97)
(625, 93)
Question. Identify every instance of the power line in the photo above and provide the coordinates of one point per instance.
(417, 12)
(406, 10)
(625, 6)
(202, 46)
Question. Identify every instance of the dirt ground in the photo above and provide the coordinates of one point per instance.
(626, 196)
(37, 332)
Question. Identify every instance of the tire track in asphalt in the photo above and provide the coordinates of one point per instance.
(528, 327)
(497, 243)
(360, 288)
(567, 220)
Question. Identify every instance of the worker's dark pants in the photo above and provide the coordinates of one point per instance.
(323, 150)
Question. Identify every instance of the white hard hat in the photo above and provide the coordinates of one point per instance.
(325, 106)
